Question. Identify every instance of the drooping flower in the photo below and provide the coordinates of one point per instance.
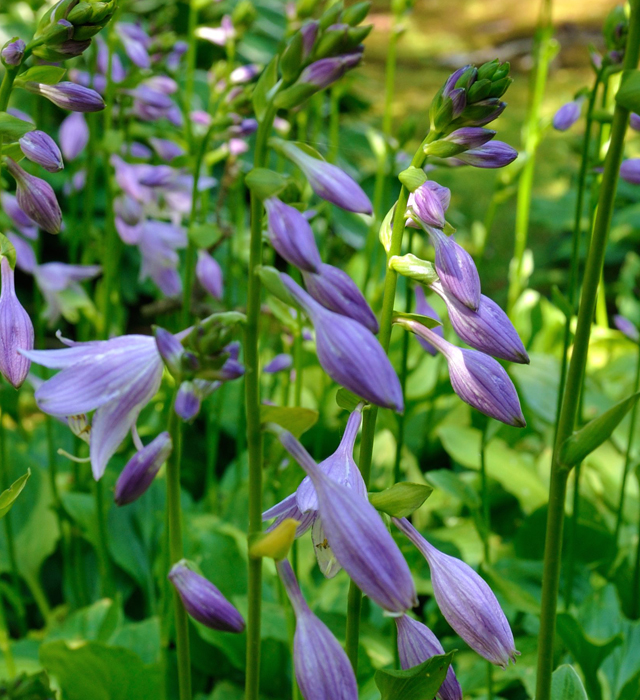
(323, 670)
(40, 148)
(36, 198)
(203, 601)
(209, 274)
(141, 469)
(424, 308)
(567, 115)
(69, 96)
(74, 135)
(16, 330)
(291, 235)
(466, 601)
(624, 325)
(495, 154)
(61, 289)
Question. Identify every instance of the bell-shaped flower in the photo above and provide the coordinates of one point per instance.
(141, 469)
(567, 115)
(478, 379)
(74, 135)
(424, 308)
(62, 291)
(349, 353)
(466, 601)
(488, 329)
(26, 226)
(69, 96)
(40, 148)
(322, 668)
(416, 644)
(116, 378)
(209, 274)
(430, 203)
(624, 325)
(358, 538)
(36, 198)
(336, 291)
(291, 235)
(16, 330)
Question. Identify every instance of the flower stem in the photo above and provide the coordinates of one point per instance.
(252, 408)
(191, 68)
(635, 581)
(6, 86)
(575, 376)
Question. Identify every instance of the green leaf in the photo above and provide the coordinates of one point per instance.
(205, 235)
(412, 178)
(273, 283)
(583, 442)
(98, 622)
(27, 687)
(423, 320)
(566, 684)
(49, 75)
(347, 399)
(449, 481)
(264, 86)
(296, 420)
(630, 690)
(400, 500)
(414, 268)
(13, 128)
(628, 94)
(418, 683)
(266, 183)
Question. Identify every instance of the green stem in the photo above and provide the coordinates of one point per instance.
(5, 642)
(635, 581)
(191, 68)
(174, 517)
(484, 496)
(252, 408)
(576, 373)
(106, 572)
(6, 86)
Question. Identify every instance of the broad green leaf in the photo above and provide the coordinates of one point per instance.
(595, 432)
(264, 86)
(27, 687)
(8, 497)
(400, 500)
(98, 622)
(49, 75)
(630, 690)
(143, 638)
(566, 684)
(508, 589)
(628, 94)
(296, 420)
(418, 683)
(13, 128)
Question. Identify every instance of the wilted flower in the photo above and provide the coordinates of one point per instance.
(630, 171)
(12, 52)
(278, 364)
(61, 289)
(69, 96)
(141, 469)
(322, 668)
(349, 353)
(416, 644)
(16, 330)
(466, 601)
(291, 235)
(494, 154)
(40, 148)
(203, 601)
(36, 199)
(624, 325)
(74, 135)
(424, 308)
(567, 115)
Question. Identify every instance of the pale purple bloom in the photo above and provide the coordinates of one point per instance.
(329, 182)
(16, 330)
(118, 73)
(278, 364)
(25, 257)
(478, 379)
(218, 35)
(488, 329)
(203, 601)
(336, 291)
(349, 353)
(74, 135)
(129, 233)
(69, 96)
(567, 115)
(166, 150)
(466, 601)
(624, 325)
(40, 148)
(157, 176)
(162, 83)
(209, 274)
(244, 74)
(170, 348)
(291, 235)
(634, 121)
(495, 154)
(141, 469)
(135, 42)
(178, 50)
(430, 203)
(26, 226)
(416, 644)
(13, 52)
(61, 289)
(237, 147)
(424, 308)
(245, 128)
(158, 244)
(630, 171)
(128, 178)
(322, 668)
(115, 378)
(76, 184)
(201, 118)
(188, 401)
(358, 538)
(138, 150)
(36, 198)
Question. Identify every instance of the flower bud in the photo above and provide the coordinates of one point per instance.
(349, 353)
(624, 325)
(278, 364)
(12, 52)
(188, 401)
(141, 470)
(567, 115)
(336, 291)
(16, 330)
(481, 113)
(429, 203)
(322, 667)
(634, 121)
(495, 154)
(424, 308)
(74, 135)
(416, 644)
(128, 209)
(69, 96)
(36, 199)
(291, 235)
(630, 171)
(170, 349)
(203, 601)
(466, 601)
(209, 274)
(354, 530)
(40, 148)
(458, 141)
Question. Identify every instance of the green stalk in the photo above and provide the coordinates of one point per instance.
(544, 49)
(176, 553)
(191, 68)
(627, 457)
(252, 408)
(334, 123)
(635, 582)
(6, 86)
(576, 373)
(5, 642)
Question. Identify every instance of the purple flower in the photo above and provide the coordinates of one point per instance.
(278, 364)
(320, 74)
(209, 274)
(430, 203)
(69, 96)
(567, 115)
(158, 244)
(424, 308)
(188, 401)
(36, 199)
(12, 52)
(358, 538)
(488, 329)
(323, 670)
(115, 378)
(466, 601)
(624, 325)
(328, 181)
(42, 149)
(26, 226)
(61, 289)
(16, 330)
(350, 354)
(139, 150)
(128, 209)
(634, 121)
(157, 176)
(336, 291)
(630, 171)
(135, 42)
(25, 257)
(203, 601)
(141, 470)
(166, 150)
(74, 135)
(244, 74)
(470, 136)
(291, 235)
(416, 644)
(478, 379)
(118, 73)
(494, 154)
(170, 348)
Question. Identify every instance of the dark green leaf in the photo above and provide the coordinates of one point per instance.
(49, 75)
(566, 684)
(27, 687)
(8, 497)
(13, 128)
(296, 420)
(418, 683)
(400, 500)
(449, 481)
